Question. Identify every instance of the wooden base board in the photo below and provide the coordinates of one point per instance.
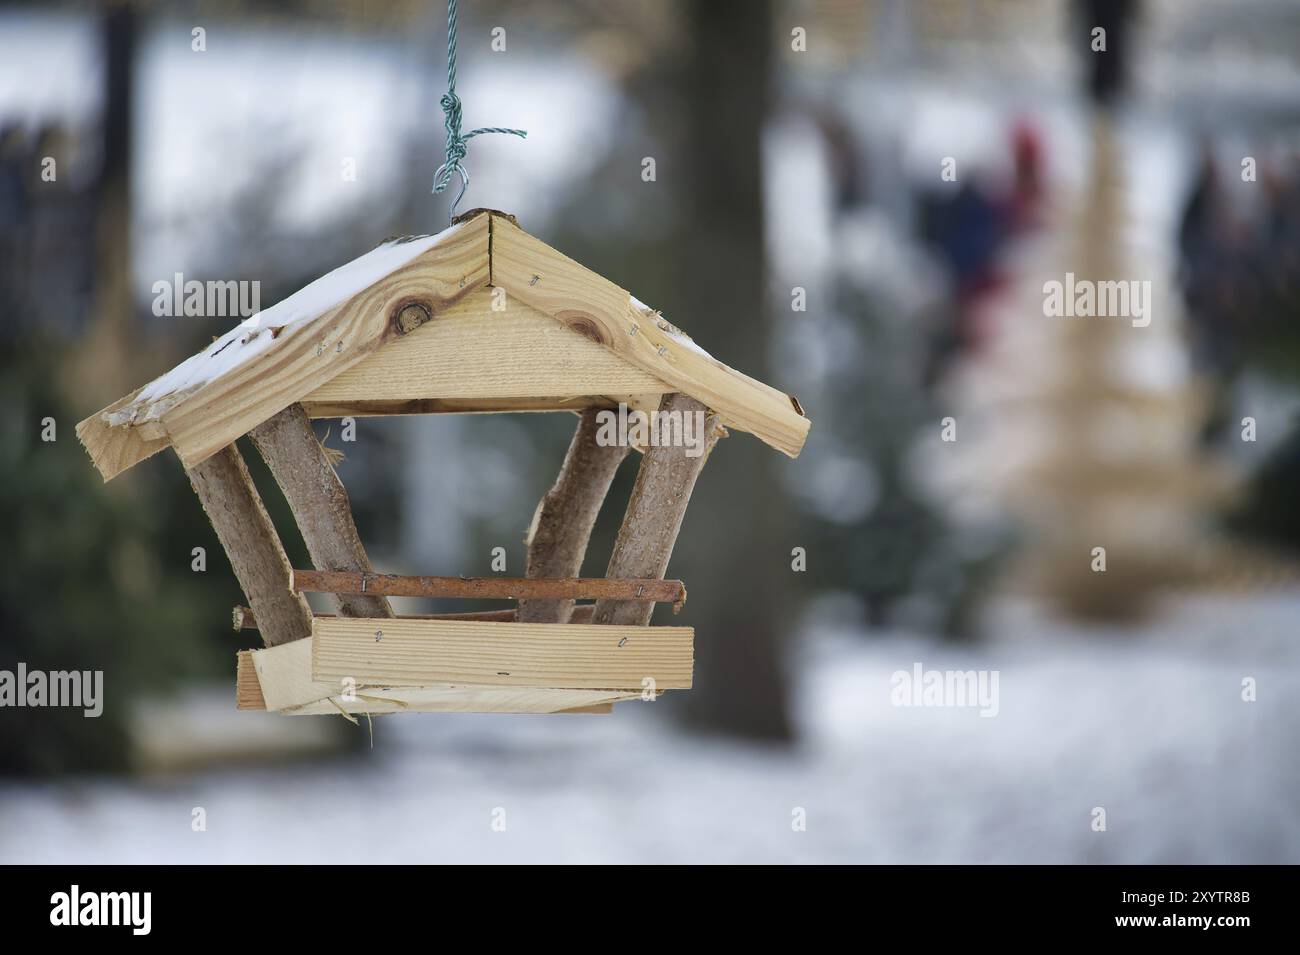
(405, 652)
(456, 666)
(326, 700)
(463, 699)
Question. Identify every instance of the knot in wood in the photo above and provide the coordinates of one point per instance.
(411, 317)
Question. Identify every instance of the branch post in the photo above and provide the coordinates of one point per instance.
(245, 531)
(654, 514)
(319, 502)
(561, 529)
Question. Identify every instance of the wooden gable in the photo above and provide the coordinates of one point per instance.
(474, 357)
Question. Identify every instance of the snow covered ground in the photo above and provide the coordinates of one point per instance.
(1150, 726)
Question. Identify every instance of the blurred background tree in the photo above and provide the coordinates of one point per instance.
(103, 579)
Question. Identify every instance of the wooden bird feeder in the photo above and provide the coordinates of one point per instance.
(482, 317)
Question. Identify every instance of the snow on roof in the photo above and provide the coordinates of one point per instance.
(255, 334)
(673, 332)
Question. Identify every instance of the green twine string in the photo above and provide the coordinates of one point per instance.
(457, 142)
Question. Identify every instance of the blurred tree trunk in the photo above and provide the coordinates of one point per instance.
(104, 362)
(735, 524)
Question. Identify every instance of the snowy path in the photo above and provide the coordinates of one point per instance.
(1150, 727)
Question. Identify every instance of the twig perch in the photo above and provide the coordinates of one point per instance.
(488, 588)
(244, 618)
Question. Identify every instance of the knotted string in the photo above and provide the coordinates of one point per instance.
(457, 142)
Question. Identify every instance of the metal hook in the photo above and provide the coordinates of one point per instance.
(443, 176)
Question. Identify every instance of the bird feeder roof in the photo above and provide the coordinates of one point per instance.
(480, 317)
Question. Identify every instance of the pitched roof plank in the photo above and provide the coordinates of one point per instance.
(535, 273)
(114, 449)
(278, 357)
(328, 345)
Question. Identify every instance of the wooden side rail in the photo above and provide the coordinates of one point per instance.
(245, 620)
(491, 588)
